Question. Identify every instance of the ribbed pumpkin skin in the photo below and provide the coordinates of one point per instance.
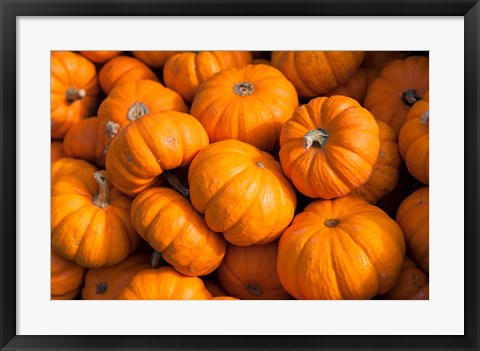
(66, 278)
(71, 72)
(100, 56)
(385, 172)
(411, 285)
(356, 87)
(413, 216)
(106, 283)
(68, 165)
(154, 59)
(256, 117)
(81, 140)
(121, 70)
(250, 272)
(384, 97)
(317, 72)
(340, 249)
(164, 284)
(346, 160)
(56, 151)
(84, 232)
(413, 141)
(214, 288)
(129, 102)
(147, 147)
(169, 223)
(242, 192)
(185, 71)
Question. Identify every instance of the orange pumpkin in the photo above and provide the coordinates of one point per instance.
(150, 145)
(224, 298)
(121, 70)
(185, 71)
(249, 104)
(356, 86)
(90, 223)
(74, 91)
(169, 223)
(214, 288)
(317, 72)
(164, 284)
(250, 272)
(154, 59)
(242, 192)
(100, 56)
(128, 102)
(399, 85)
(340, 249)
(56, 151)
(385, 172)
(105, 283)
(379, 59)
(66, 278)
(411, 285)
(413, 141)
(329, 147)
(413, 217)
(81, 140)
(68, 165)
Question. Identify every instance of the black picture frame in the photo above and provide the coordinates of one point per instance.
(10, 10)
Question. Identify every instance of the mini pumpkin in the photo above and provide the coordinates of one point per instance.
(250, 272)
(164, 283)
(81, 140)
(340, 249)
(411, 285)
(121, 70)
(106, 283)
(74, 91)
(128, 102)
(185, 71)
(329, 147)
(399, 85)
(249, 104)
(66, 278)
(169, 223)
(90, 222)
(379, 59)
(413, 218)
(100, 56)
(385, 172)
(242, 192)
(356, 87)
(413, 141)
(149, 146)
(69, 165)
(317, 72)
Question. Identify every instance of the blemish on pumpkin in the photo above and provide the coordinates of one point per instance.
(171, 141)
(260, 164)
(77, 243)
(129, 158)
(331, 223)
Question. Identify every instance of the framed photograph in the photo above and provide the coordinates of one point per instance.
(444, 34)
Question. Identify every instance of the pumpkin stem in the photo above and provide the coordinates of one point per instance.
(112, 128)
(317, 137)
(101, 288)
(425, 117)
(136, 111)
(175, 183)
(410, 97)
(73, 94)
(255, 289)
(101, 199)
(331, 223)
(155, 259)
(243, 89)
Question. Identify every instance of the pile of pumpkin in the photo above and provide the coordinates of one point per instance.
(239, 175)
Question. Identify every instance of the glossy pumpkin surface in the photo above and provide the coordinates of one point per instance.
(242, 192)
(340, 249)
(329, 147)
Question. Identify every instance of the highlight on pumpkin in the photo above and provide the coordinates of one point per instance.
(239, 175)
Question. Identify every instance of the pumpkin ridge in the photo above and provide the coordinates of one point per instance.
(86, 233)
(119, 219)
(295, 65)
(229, 182)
